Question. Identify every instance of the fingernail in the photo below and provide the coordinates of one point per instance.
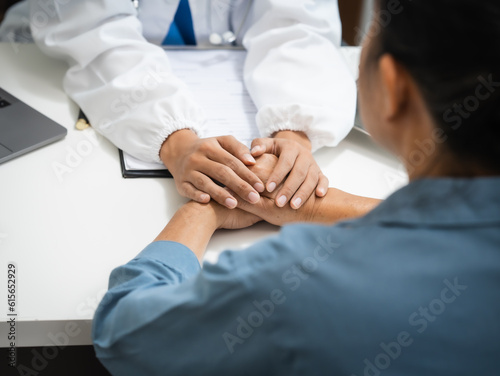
(271, 186)
(204, 197)
(297, 202)
(281, 201)
(321, 191)
(255, 149)
(231, 203)
(248, 158)
(253, 197)
(259, 187)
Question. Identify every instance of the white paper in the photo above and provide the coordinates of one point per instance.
(215, 78)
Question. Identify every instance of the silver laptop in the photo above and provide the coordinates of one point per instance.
(23, 129)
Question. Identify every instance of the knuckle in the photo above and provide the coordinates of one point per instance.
(303, 192)
(222, 173)
(279, 176)
(241, 187)
(288, 163)
(185, 190)
(201, 146)
(228, 139)
(199, 183)
(219, 196)
(307, 188)
(301, 171)
(182, 188)
(206, 146)
(231, 164)
(193, 160)
(312, 180)
(287, 191)
(314, 168)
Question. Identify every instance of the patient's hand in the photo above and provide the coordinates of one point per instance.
(337, 205)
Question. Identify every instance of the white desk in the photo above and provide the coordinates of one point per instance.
(66, 234)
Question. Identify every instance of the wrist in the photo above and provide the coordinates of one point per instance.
(297, 136)
(192, 225)
(175, 143)
(218, 214)
(206, 215)
(338, 205)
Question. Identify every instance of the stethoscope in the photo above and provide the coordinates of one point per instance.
(226, 38)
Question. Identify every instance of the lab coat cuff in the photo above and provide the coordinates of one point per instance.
(173, 255)
(166, 131)
(321, 126)
(271, 120)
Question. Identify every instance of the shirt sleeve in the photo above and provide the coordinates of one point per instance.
(295, 73)
(123, 83)
(163, 315)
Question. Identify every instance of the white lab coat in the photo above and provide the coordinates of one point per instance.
(121, 78)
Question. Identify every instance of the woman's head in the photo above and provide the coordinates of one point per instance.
(441, 57)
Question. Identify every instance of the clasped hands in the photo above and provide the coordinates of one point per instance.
(265, 208)
(195, 163)
(334, 206)
(259, 183)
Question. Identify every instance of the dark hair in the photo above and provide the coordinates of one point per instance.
(451, 48)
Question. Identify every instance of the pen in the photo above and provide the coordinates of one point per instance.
(82, 122)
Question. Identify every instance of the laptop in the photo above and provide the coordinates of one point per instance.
(23, 129)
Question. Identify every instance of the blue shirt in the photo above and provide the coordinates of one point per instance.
(413, 288)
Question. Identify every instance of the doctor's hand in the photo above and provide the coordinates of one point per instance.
(336, 205)
(194, 162)
(265, 209)
(295, 160)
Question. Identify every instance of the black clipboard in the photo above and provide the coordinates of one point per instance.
(132, 174)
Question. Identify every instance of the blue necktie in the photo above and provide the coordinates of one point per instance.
(181, 30)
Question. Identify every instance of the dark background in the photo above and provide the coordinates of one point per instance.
(67, 361)
(5, 5)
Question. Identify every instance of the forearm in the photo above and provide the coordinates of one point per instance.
(192, 225)
(338, 205)
(123, 83)
(316, 94)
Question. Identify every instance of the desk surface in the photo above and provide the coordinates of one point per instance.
(67, 217)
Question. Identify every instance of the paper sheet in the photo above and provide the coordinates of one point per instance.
(215, 78)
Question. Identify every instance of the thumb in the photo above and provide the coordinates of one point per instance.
(263, 145)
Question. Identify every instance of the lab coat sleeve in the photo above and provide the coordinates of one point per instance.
(294, 70)
(124, 84)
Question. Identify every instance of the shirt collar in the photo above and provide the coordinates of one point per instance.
(441, 202)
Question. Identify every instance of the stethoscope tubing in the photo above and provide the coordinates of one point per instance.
(227, 38)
